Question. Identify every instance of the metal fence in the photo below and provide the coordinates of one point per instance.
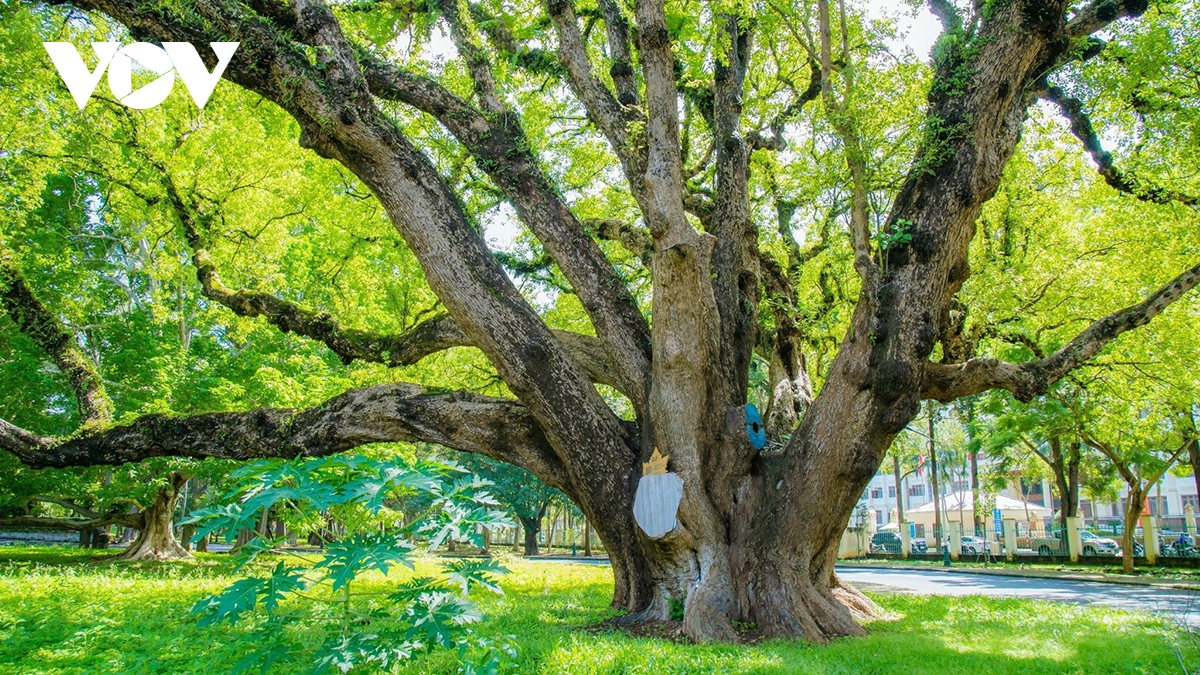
(1032, 540)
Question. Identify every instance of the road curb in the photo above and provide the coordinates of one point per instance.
(1034, 574)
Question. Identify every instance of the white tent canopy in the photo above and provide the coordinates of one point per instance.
(960, 507)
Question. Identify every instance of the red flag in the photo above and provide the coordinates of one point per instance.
(920, 464)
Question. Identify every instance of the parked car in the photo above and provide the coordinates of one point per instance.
(889, 542)
(1094, 544)
(886, 542)
(973, 545)
(1050, 545)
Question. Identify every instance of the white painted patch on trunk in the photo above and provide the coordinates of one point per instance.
(656, 504)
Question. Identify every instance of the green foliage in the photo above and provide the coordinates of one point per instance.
(886, 239)
(519, 492)
(360, 630)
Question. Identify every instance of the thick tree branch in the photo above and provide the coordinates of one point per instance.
(605, 111)
(661, 201)
(1100, 13)
(39, 324)
(499, 428)
(843, 122)
(632, 238)
(1027, 380)
(1081, 127)
(69, 504)
(428, 337)
(777, 141)
(621, 70)
(76, 524)
(499, 145)
(350, 344)
(736, 285)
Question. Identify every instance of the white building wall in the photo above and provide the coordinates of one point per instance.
(1175, 491)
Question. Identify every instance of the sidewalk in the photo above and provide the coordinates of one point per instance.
(961, 568)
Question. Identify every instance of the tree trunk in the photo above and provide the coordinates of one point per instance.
(185, 536)
(1066, 479)
(899, 493)
(531, 527)
(587, 538)
(979, 516)
(938, 533)
(156, 539)
(1133, 512)
(1059, 469)
(1194, 459)
(552, 531)
(1071, 504)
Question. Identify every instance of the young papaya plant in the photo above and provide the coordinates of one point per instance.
(358, 629)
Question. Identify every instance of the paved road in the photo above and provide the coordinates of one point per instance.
(1183, 605)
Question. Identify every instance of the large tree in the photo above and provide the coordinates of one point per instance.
(758, 532)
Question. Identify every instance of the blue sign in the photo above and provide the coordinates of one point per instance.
(912, 531)
(999, 518)
(754, 427)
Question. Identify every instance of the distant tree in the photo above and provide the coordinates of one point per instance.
(520, 493)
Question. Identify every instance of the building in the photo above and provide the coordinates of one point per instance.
(1166, 500)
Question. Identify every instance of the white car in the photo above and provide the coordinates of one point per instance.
(1096, 545)
(973, 545)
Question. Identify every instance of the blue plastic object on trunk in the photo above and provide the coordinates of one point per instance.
(754, 427)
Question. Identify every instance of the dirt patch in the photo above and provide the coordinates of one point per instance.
(661, 630)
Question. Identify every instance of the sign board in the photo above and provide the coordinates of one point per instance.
(999, 520)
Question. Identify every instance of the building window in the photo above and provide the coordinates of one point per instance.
(916, 490)
(876, 493)
(879, 517)
(1184, 500)
(891, 492)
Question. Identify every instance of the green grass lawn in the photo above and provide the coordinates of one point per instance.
(61, 612)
